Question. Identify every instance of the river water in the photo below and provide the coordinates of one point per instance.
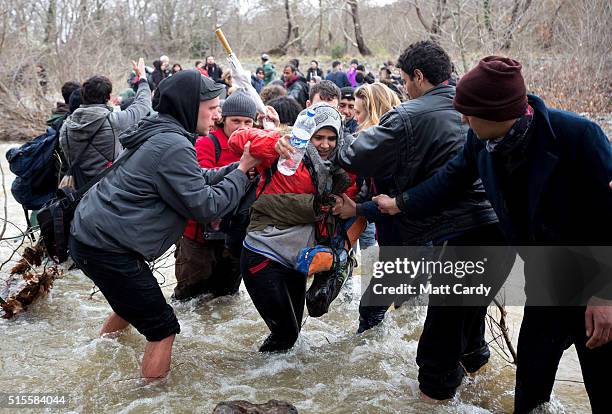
(54, 348)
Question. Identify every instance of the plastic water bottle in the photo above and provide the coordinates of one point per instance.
(303, 129)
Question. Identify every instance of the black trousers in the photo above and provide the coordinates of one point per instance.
(545, 333)
(278, 293)
(130, 288)
(452, 342)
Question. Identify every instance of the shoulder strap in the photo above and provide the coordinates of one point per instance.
(104, 172)
(313, 173)
(217, 145)
(268, 177)
(89, 141)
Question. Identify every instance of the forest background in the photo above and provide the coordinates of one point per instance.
(564, 45)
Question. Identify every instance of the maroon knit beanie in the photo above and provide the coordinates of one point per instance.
(493, 90)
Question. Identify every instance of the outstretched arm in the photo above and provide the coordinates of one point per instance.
(457, 176)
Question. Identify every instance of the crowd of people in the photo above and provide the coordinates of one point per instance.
(426, 159)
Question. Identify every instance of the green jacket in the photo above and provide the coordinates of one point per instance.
(282, 211)
(269, 72)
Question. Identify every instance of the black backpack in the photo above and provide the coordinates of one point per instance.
(56, 215)
(36, 165)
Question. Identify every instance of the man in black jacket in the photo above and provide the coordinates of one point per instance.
(214, 71)
(547, 173)
(411, 143)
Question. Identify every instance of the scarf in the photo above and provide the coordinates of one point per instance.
(291, 81)
(513, 146)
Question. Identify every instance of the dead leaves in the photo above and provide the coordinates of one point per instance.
(31, 257)
(33, 284)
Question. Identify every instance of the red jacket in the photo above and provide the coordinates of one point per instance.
(262, 147)
(205, 151)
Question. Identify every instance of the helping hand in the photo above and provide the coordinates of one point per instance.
(344, 207)
(270, 116)
(386, 204)
(598, 319)
(247, 161)
(283, 147)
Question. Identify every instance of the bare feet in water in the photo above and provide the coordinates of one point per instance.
(426, 398)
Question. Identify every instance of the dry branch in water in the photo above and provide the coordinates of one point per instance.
(33, 284)
(36, 285)
(499, 329)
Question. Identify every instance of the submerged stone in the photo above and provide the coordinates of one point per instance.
(245, 407)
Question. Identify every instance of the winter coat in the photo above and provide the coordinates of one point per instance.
(298, 90)
(60, 111)
(214, 72)
(351, 75)
(312, 73)
(79, 127)
(143, 206)
(157, 76)
(569, 169)
(257, 83)
(269, 72)
(339, 78)
(205, 153)
(279, 243)
(565, 199)
(411, 143)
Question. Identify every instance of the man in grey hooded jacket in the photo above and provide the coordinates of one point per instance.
(89, 136)
(140, 209)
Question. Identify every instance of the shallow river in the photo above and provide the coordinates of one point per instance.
(54, 348)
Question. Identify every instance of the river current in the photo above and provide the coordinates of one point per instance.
(53, 347)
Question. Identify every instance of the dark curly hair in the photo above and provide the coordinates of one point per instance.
(429, 58)
(287, 108)
(96, 90)
(68, 88)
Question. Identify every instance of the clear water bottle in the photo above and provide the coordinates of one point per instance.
(303, 129)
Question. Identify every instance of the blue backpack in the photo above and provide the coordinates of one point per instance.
(35, 164)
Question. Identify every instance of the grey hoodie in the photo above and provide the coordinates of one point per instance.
(105, 146)
(144, 204)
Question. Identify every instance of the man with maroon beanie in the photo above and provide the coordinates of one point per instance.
(548, 176)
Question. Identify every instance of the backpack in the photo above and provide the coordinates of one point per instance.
(56, 215)
(36, 165)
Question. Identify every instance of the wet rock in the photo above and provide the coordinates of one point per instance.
(245, 407)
